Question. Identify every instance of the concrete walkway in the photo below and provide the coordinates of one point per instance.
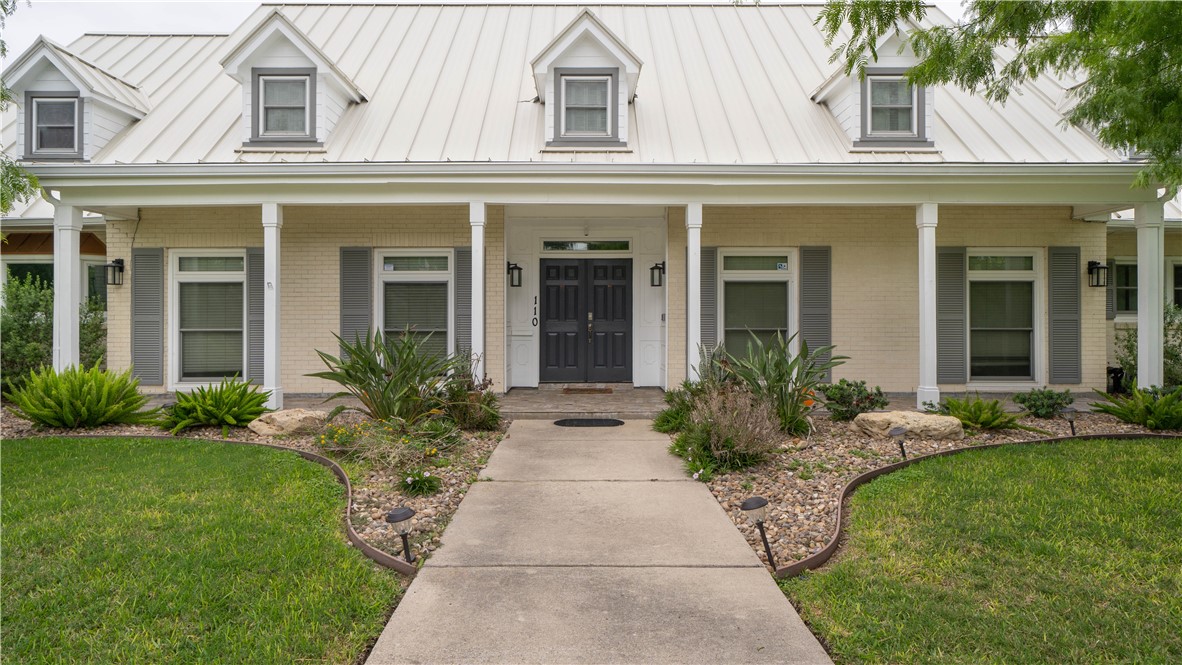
(589, 545)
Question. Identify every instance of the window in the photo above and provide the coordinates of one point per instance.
(209, 315)
(587, 106)
(285, 105)
(416, 290)
(1002, 306)
(1125, 288)
(755, 299)
(893, 110)
(53, 129)
(1177, 290)
(94, 273)
(586, 245)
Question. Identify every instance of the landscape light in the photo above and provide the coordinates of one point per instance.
(755, 509)
(899, 434)
(400, 518)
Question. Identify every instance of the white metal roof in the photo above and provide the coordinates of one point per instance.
(722, 84)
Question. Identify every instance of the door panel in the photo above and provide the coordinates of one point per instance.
(611, 324)
(586, 327)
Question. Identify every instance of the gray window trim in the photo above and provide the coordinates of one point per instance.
(31, 125)
(256, 121)
(613, 108)
(920, 140)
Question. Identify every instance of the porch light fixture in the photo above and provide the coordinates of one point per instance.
(755, 509)
(1097, 274)
(514, 275)
(115, 272)
(1069, 416)
(400, 518)
(899, 434)
(656, 274)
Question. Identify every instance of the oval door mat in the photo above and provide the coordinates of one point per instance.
(588, 422)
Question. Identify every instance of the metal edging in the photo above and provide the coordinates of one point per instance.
(819, 558)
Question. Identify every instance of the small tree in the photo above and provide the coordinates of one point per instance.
(1126, 349)
(26, 329)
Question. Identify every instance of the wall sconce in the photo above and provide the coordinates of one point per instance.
(115, 272)
(514, 275)
(656, 274)
(1097, 274)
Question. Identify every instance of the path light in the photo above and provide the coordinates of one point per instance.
(400, 518)
(755, 509)
(1069, 415)
(899, 434)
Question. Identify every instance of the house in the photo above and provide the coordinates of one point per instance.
(572, 194)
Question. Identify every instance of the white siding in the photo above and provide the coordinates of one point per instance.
(45, 78)
(103, 123)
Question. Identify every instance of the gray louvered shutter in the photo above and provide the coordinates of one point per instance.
(709, 298)
(147, 315)
(463, 314)
(816, 309)
(1064, 312)
(1110, 305)
(254, 314)
(951, 316)
(356, 292)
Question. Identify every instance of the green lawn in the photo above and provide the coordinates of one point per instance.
(137, 551)
(1064, 553)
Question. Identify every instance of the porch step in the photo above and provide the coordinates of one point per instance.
(575, 400)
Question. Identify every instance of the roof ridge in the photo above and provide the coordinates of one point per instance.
(155, 34)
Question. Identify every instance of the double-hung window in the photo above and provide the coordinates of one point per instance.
(53, 125)
(587, 106)
(209, 311)
(755, 299)
(891, 106)
(1002, 315)
(416, 295)
(285, 109)
(1125, 287)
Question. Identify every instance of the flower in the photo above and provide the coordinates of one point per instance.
(409, 480)
(696, 474)
(426, 474)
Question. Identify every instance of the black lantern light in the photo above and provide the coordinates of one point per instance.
(1069, 416)
(899, 434)
(514, 275)
(656, 274)
(400, 518)
(115, 272)
(755, 509)
(1097, 274)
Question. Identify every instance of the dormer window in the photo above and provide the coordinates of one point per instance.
(53, 126)
(893, 111)
(285, 101)
(589, 112)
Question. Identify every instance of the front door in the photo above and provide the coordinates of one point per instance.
(586, 320)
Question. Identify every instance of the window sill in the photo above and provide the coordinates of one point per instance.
(559, 148)
(282, 147)
(1126, 318)
(986, 386)
(54, 157)
(893, 146)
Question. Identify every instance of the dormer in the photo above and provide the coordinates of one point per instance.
(292, 94)
(68, 108)
(586, 77)
(881, 109)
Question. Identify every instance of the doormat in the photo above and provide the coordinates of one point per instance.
(586, 391)
(588, 422)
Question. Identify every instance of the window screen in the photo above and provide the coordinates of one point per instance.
(1001, 330)
(421, 306)
(56, 125)
(285, 105)
(585, 105)
(891, 103)
(210, 324)
(415, 263)
(753, 308)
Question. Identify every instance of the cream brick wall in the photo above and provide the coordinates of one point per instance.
(494, 295)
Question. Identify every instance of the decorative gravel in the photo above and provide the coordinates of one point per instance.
(803, 480)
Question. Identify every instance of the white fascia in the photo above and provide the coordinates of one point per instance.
(587, 23)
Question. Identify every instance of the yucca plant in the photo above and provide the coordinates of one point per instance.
(80, 397)
(231, 403)
(1153, 408)
(786, 380)
(978, 414)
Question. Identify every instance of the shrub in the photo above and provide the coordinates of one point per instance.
(676, 415)
(420, 482)
(741, 430)
(394, 378)
(1126, 348)
(231, 403)
(392, 444)
(692, 445)
(79, 397)
(846, 399)
(26, 330)
(1152, 408)
(1044, 402)
(977, 414)
(470, 404)
(785, 380)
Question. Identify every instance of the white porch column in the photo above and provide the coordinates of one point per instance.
(926, 217)
(272, 223)
(1150, 296)
(476, 217)
(67, 284)
(693, 287)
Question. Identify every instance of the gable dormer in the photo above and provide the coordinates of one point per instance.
(68, 109)
(881, 109)
(292, 94)
(586, 77)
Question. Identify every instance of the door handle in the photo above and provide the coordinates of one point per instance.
(590, 318)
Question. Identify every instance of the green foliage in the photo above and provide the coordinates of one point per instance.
(231, 403)
(692, 445)
(1044, 402)
(846, 399)
(1152, 408)
(420, 482)
(471, 404)
(393, 378)
(1126, 348)
(16, 184)
(978, 414)
(728, 429)
(785, 380)
(393, 444)
(676, 415)
(1127, 54)
(79, 397)
(26, 329)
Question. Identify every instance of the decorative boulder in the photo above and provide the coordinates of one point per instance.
(919, 425)
(289, 421)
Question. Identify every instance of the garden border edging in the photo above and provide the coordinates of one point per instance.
(819, 558)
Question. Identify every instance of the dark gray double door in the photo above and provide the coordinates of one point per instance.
(586, 320)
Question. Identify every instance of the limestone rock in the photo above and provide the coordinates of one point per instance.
(288, 421)
(919, 425)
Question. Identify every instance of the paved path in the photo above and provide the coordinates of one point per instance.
(589, 545)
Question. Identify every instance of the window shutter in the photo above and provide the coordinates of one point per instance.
(1110, 292)
(463, 316)
(951, 342)
(356, 292)
(254, 314)
(147, 315)
(816, 307)
(709, 314)
(1064, 310)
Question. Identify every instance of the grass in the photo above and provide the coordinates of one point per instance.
(132, 550)
(1065, 553)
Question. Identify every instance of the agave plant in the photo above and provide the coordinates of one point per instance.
(80, 397)
(978, 414)
(231, 403)
(1154, 408)
(787, 380)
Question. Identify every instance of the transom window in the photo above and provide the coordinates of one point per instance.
(416, 296)
(1002, 316)
(755, 292)
(54, 125)
(210, 315)
(891, 106)
(586, 245)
